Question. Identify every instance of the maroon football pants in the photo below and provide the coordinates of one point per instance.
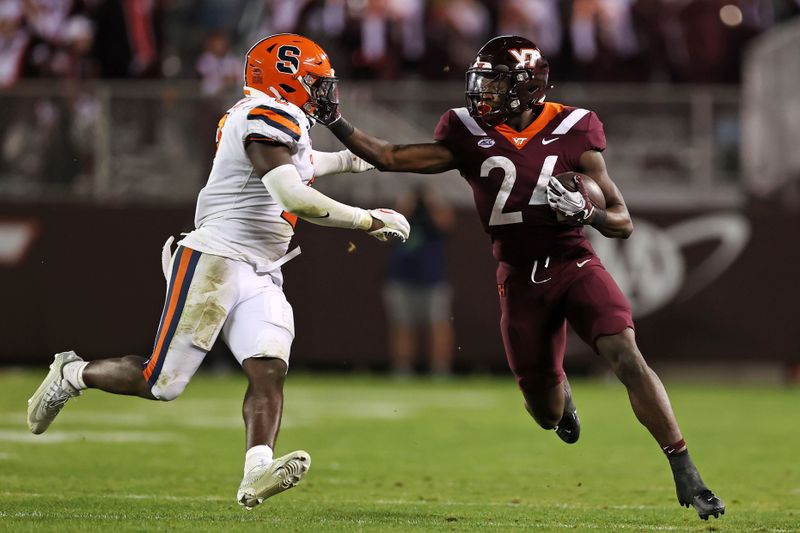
(537, 300)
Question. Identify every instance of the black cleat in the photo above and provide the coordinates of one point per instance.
(691, 490)
(707, 504)
(569, 427)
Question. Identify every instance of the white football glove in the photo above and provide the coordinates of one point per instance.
(394, 225)
(570, 203)
(355, 163)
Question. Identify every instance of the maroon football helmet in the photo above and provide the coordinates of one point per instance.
(512, 72)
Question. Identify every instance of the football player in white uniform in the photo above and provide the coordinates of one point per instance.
(225, 278)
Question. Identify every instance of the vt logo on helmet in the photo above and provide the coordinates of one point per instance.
(292, 68)
(509, 76)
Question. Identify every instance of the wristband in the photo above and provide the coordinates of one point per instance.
(341, 128)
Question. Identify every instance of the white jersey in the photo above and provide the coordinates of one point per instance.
(236, 217)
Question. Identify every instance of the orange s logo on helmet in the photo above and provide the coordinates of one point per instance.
(293, 68)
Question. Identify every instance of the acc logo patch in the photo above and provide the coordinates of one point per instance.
(486, 142)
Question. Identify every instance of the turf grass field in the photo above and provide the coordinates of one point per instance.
(417, 455)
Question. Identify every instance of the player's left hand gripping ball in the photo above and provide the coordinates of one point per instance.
(394, 225)
(574, 204)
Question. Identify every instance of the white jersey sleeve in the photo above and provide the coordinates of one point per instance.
(269, 121)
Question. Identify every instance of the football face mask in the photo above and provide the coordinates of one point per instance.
(487, 95)
(323, 98)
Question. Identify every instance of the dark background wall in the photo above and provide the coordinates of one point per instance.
(91, 281)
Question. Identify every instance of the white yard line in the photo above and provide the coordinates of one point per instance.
(57, 437)
(112, 496)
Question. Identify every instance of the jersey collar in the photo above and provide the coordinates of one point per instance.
(520, 138)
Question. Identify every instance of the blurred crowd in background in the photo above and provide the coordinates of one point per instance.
(587, 40)
(55, 137)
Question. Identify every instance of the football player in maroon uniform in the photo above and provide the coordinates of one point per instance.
(508, 143)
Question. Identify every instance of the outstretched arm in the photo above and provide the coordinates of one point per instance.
(614, 221)
(326, 163)
(280, 177)
(426, 158)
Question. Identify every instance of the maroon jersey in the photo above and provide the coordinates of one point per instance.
(509, 170)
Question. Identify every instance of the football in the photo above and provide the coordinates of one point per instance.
(595, 194)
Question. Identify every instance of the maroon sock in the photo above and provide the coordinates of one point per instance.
(674, 448)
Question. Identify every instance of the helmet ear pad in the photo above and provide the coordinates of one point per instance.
(530, 92)
(525, 93)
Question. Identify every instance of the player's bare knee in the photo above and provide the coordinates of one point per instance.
(265, 371)
(623, 355)
(273, 374)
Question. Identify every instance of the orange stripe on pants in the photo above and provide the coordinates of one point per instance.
(186, 255)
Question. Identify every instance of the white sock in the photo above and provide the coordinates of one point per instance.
(257, 456)
(73, 373)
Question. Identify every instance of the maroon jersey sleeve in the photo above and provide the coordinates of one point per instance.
(595, 135)
(444, 129)
(586, 135)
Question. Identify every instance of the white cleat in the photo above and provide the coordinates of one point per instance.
(264, 481)
(52, 394)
